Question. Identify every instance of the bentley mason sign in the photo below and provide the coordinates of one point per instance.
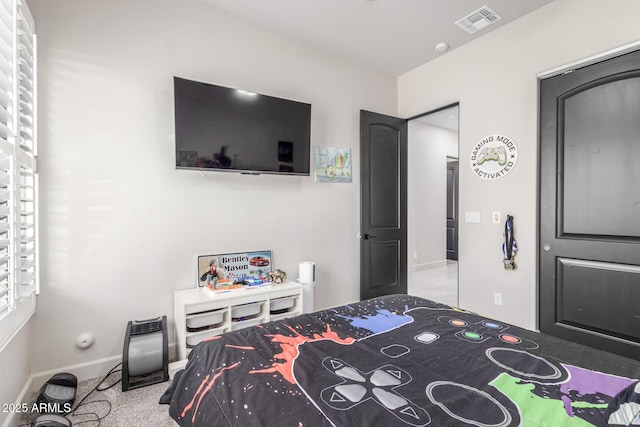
(494, 157)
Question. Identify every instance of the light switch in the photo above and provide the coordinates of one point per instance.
(496, 217)
(472, 217)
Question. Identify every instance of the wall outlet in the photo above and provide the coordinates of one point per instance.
(497, 298)
(415, 255)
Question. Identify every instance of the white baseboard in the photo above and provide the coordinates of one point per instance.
(13, 420)
(428, 265)
(87, 370)
(83, 371)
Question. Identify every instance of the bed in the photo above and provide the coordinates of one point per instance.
(400, 360)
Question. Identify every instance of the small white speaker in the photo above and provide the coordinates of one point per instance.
(307, 278)
(307, 272)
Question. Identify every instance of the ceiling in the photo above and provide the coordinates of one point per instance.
(391, 36)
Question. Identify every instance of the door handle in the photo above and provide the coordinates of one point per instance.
(366, 236)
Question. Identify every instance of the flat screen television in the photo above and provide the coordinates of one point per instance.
(224, 129)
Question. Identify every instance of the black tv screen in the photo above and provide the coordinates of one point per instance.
(225, 129)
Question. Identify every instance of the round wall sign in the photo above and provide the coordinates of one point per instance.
(493, 157)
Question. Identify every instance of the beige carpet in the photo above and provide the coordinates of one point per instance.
(116, 408)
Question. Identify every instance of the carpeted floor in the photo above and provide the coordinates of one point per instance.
(116, 408)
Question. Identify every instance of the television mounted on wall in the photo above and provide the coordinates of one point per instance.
(225, 129)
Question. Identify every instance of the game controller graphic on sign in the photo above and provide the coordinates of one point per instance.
(493, 157)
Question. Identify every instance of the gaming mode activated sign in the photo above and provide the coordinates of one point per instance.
(494, 156)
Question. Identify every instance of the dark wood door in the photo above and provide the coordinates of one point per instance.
(589, 201)
(452, 209)
(383, 205)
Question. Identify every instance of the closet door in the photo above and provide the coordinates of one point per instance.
(589, 201)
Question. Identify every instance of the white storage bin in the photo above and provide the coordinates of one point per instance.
(195, 338)
(282, 303)
(209, 318)
(246, 310)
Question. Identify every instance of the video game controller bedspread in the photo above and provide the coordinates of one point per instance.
(396, 361)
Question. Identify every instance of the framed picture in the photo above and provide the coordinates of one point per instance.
(333, 164)
(234, 270)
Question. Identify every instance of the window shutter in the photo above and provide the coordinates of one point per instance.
(6, 299)
(6, 152)
(18, 175)
(26, 152)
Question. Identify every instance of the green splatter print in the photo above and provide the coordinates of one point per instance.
(540, 411)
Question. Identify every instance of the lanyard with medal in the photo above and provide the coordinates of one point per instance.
(509, 246)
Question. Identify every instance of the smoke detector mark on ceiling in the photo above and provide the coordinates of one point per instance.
(478, 20)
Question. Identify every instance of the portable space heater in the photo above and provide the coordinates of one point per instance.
(145, 357)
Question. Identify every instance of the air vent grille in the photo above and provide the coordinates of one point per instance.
(478, 20)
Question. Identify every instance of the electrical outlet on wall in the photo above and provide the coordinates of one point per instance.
(497, 298)
(415, 255)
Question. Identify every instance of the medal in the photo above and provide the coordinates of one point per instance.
(509, 246)
(509, 264)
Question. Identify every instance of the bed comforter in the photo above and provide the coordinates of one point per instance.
(399, 361)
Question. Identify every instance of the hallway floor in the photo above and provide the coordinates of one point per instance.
(438, 284)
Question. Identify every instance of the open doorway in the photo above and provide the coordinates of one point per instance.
(433, 205)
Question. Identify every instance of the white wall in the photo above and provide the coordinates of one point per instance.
(494, 79)
(428, 149)
(121, 227)
(15, 370)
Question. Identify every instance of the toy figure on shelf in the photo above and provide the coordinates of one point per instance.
(212, 275)
(277, 276)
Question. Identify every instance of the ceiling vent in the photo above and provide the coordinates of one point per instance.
(479, 19)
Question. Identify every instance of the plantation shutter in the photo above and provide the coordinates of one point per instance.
(25, 153)
(6, 299)
(18, 177)
(6, 152)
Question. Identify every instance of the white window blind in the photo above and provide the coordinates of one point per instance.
(6, 152)
(18, 178)
(6, 300)
(26, 182)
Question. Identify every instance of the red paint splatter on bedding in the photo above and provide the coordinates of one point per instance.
(241, 347)
(204, 387)
(215, 337)
(290, 350)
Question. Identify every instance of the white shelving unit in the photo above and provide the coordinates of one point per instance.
(200, 313)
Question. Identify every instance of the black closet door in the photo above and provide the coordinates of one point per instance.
(589, 202)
